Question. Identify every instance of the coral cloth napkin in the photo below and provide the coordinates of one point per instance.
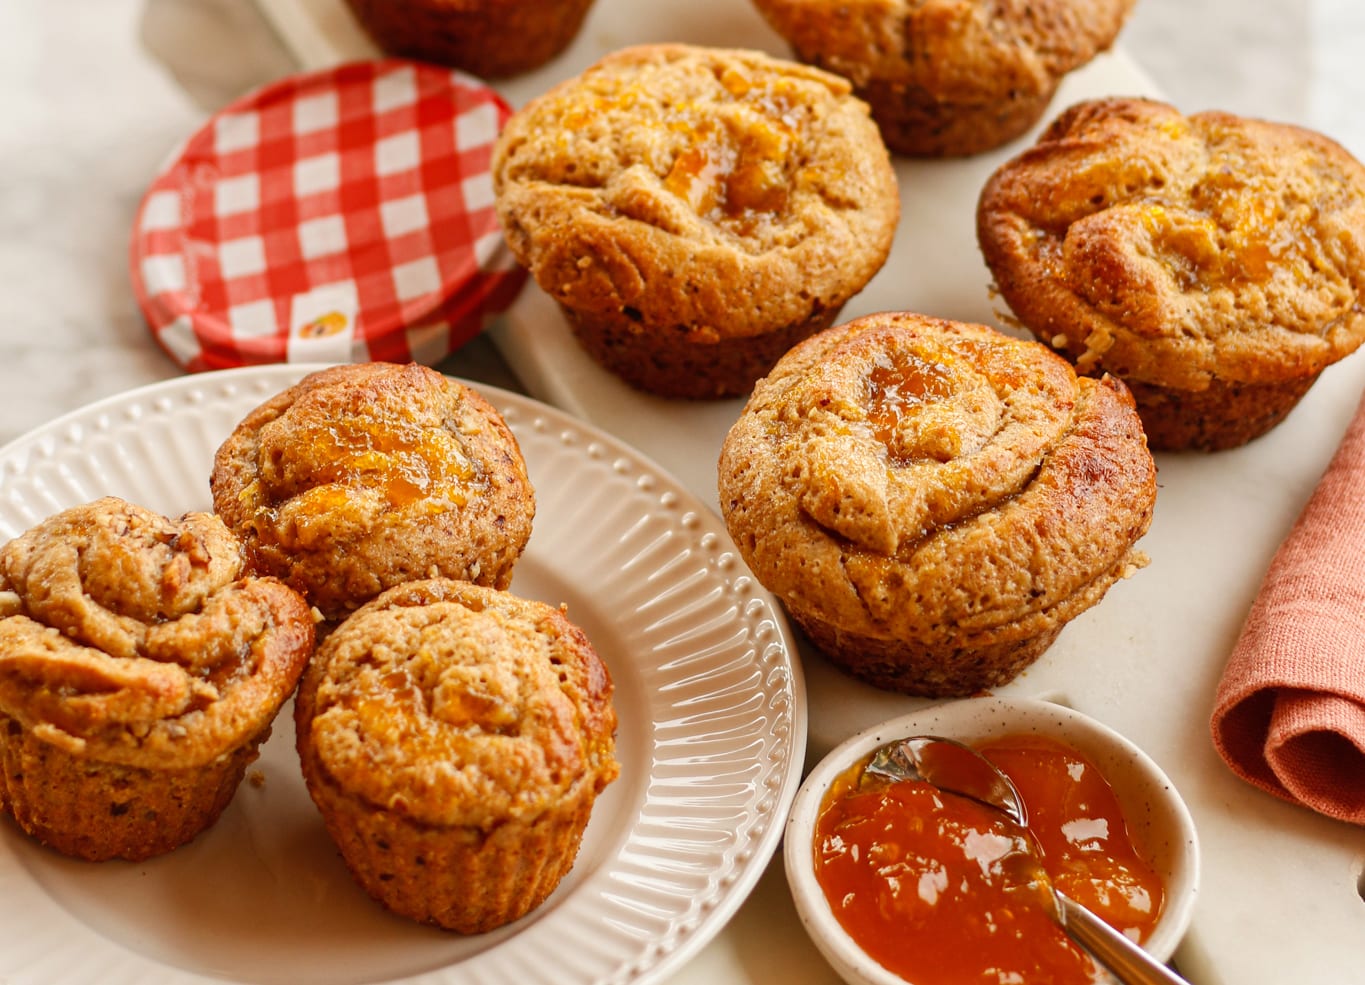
(1289, 715)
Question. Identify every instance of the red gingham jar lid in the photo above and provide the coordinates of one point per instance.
(344, 215)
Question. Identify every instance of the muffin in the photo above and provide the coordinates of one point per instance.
(487, 38)
(1213, 262)
(363, 476)
(696, 211)
(140, 669)
(933, 501)
(949, 77)
(455, 738)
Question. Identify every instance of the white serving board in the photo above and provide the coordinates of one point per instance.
(1281, 897)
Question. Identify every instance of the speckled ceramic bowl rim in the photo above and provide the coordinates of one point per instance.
(1159, 821)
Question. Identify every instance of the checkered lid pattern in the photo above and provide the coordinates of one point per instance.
(336, 216)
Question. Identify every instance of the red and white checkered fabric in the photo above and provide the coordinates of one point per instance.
(337, 216)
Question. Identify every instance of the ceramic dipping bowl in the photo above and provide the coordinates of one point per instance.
(1159, 823)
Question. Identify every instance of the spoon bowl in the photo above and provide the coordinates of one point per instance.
(949, 765)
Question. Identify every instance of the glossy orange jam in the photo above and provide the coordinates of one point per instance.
(893, 391)
(1079, 826)
(408, 462)
(734, 168)
(932, 887)
(729, 172)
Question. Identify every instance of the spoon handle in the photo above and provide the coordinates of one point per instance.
(1129, 963)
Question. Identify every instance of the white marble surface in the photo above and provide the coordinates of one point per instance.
(97, 92)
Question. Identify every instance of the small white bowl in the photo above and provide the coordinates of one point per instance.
(1159, 822)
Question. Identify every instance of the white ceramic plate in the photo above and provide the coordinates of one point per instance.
(711, 740)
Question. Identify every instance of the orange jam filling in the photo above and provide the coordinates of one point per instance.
(734, 168)
(929, 883)
(407, 463)
(699, 177)
(1257, 237)
(728, 172)
(894, 390)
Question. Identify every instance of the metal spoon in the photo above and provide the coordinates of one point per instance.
(955, 767)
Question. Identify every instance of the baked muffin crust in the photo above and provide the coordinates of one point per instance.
(682, 197)
(934, 500)
(1183, 253)
(455, 738)
(459, 706)
(134, 638)
(366, 475)
(140, 666)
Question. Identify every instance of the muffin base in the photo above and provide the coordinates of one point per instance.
(915, 124)
(905, 667)
(98, 811)
(490, 40)
(457, 878)
(1226, 415)
(666, 363)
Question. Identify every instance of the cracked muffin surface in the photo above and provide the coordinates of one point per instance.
(140, 667)
(949, 77)
(367, 475)
(933, 500)
(696, 210)
(455, 738)
(1213, 262)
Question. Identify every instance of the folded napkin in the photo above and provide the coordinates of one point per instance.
(1289, 715)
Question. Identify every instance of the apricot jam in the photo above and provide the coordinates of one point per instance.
(734, 168)
(930, 884)
(731, 171)
(894, 391)
(408, 462)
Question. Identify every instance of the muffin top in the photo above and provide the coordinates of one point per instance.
(919, 479)
(960, 51)
(721, 191)
(1171, 249)
(136, 639)
(366, 475)
(458, 705)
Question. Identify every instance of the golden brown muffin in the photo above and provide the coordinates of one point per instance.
(949, 77)
(487, 38)
(695, 211)
(140, 669)
(367, 475)
(933, 501)
(455, 739)
(1213, 262)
